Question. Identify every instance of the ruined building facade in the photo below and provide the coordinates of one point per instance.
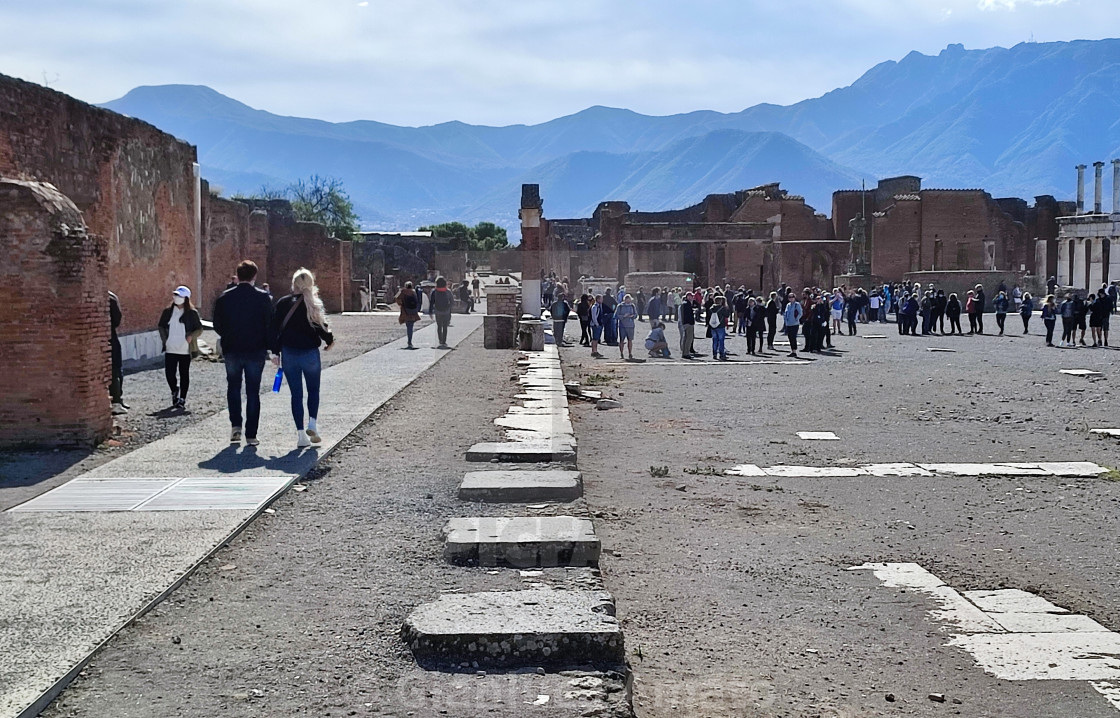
(92, 201)
(762, 237)
(1084, 249)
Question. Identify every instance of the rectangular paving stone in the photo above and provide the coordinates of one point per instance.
(1080, 372)
(85, 494)
(1045, 656)
(546, 423)
(521, 452)
(208, 493)
(817, 436)
(1006, 469)
(516, 629)
(745, 470)
(823, 472)
(1073, 468)
(901, 469)
(521, 542)
(1046, 623)
(1011, 600)
(521, 486)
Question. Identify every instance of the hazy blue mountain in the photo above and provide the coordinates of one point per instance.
(1013, 121)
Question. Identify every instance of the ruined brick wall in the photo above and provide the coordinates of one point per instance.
(54, 338)
(228, 237)
(134, 185)
(969, 219)
(293, 244)
(894, 235)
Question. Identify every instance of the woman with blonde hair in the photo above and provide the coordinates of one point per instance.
(299, 327)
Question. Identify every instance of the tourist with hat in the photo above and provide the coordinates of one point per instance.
(179, 327)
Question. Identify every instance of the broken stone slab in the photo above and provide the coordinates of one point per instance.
(814, 472)
(521, 542)
(516, 629)
(604, 404)
(745, 470)
(1114, 433)
(817, 436)
(558, 423)
(520, 452)
(521, 486)
(899, 469)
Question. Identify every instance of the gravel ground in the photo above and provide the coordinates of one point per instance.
(732, 591)
(26, 474)
(301, 613)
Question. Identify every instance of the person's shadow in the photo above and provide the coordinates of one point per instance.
(236, 459)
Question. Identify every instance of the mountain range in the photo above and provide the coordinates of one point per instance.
(1012, 121)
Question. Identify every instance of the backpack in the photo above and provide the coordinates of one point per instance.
(713, 320)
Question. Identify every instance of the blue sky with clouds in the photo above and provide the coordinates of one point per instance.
(505, 61)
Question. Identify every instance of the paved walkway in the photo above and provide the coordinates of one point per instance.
(82, 560)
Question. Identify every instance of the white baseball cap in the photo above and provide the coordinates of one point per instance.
(182, 292)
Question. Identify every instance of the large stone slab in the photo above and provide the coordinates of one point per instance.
(521, 542)
(521, 486)
(516, 629)
(522, 452)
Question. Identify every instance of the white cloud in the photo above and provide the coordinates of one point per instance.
(1012, 4)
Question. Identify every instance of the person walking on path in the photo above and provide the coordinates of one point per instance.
(409, 303)
(179, 327)
(1099, 310)
(583, 313)
(243, 318)
(686, 325)
(439, 307)
(953, 311)
(1000, 304)
(560, 310)
(596, 322)
(299, 327)
(465, 299)
(791, 319)
(1049, 316)
(1026, 308)
(475, 285)
(116, 365)
(626, 315)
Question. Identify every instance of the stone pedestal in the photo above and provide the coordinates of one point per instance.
(499, 331)
(867, 281)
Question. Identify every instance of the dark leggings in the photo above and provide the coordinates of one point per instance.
(1026, 322)
(1049, 330)
(182, 364)
(771, 330)
(585, 331)
(1068, 323)
(955, 323)
(1000, 319)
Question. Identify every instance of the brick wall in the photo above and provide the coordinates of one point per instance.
(503, 300)
(54, 340)
(134, 184)
(293, 244)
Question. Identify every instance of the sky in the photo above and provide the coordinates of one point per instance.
(510, 61)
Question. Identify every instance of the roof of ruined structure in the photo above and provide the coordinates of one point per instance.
(907, 197)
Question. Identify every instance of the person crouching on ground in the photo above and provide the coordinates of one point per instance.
(409, 303)
(626, 314)
(655, 342)
(299, 328)
(179, 327)
(440, 308)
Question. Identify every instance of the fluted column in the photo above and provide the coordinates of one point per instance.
(1116, 186)
(1080, 189)
(1098, 168)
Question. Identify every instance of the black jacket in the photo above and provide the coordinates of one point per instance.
(299, 332)
(442, 301)
(242, 318)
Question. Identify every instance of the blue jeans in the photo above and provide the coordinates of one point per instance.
(719, 334)
(302, 365)
(251, 366)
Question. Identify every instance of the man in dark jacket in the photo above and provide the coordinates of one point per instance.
(116, 379)
(440, 308)
(979, 304)
(242, 318)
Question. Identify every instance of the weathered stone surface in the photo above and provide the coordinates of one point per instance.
(521, 542)
(521, 486)
(510, 629)
(521, 452)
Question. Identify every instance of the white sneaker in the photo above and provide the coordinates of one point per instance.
(302, 440)
(314, 436)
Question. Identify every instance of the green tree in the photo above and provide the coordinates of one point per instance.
(484, 236)
(324, 200)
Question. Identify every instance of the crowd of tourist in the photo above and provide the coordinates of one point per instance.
(813, 315)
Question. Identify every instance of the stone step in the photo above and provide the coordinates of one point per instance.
(516, 629)
(521, 542)
(521, 486)
(522, 452)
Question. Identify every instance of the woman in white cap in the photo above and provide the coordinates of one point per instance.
(179, 327)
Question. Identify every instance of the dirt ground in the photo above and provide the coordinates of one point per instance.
(25, 474)
(732, 591)
(301, 613)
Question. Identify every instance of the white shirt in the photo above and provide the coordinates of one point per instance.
(874, 301)
(177, 334)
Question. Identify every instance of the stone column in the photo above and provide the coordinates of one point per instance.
(1116, 186)
(531, 248)
(1080, 189)
(1098, 167)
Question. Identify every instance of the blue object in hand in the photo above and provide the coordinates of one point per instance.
(277, 381)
